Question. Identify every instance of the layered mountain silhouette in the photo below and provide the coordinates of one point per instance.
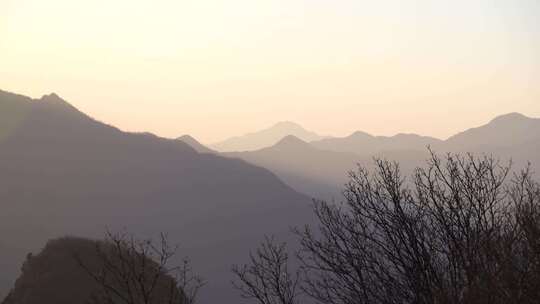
(512, 136)
(195, 144)
(322, 174)
(310, 170)
(362, 143)
(265, 138)
(63, 172)
(506, 130)
(320, 168)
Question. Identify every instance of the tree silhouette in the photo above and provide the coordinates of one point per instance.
(268, 279)
(133, 271)
(460, 230)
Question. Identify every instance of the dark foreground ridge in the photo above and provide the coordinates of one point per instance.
(63, 172)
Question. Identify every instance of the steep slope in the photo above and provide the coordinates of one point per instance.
(196, 145)
(265, 138)
(64, 173)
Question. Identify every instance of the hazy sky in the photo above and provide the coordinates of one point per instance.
(216, 68)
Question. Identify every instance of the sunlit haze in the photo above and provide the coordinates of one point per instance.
(214, 68)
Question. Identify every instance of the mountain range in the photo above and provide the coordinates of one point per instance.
(63, 172)
(362, 143)
(265, 138)
(319, 168)
(309, 170)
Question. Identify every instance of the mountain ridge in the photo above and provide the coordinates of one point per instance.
(503, 130)
(62, 172)
(265, 138)
(290, 142)
(195, 144)
(318, 167)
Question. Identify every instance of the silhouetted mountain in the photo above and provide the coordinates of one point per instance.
(63, 172)
(503, 131)
(511, 136)
(320, 168)
(265, 138)
(319, 173)
(197, 146)
(54, 276)
(292, 143)
(366, 144)
(307, 169)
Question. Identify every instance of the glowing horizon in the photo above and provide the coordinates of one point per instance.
(215, 69)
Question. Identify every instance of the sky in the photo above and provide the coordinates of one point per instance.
(218, 68)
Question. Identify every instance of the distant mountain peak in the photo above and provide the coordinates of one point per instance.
(187, 137)
(51, 95)
(57, 101)
(266, 137)
(360, 134)
(291, 141)
(502, 131)
(404, 135)
(287, 124)
(509, 117)
(52, 98)
(195, 144)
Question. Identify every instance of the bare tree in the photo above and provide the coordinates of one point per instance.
(267, 278)
(135, 271)
(461, 230)
(460, 234)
